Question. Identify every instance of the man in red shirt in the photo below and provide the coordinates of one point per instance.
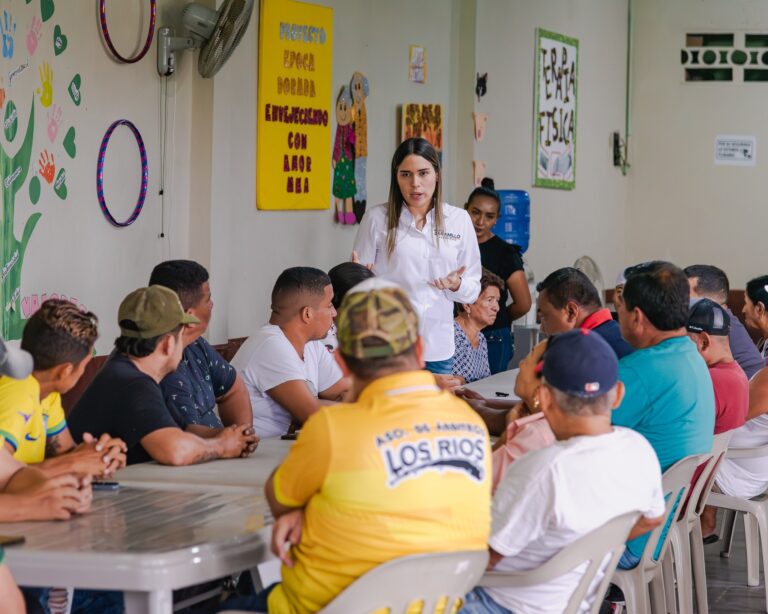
(567, 300)
(708, 327)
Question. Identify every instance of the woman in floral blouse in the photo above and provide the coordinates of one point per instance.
(470, 361)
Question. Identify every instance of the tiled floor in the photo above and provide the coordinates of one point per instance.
(727, 579)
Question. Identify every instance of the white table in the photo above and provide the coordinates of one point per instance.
(231, 475)
(500, 382)
(146, 543)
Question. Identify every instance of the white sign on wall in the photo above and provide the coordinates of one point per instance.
(733, 150)
(554, 122)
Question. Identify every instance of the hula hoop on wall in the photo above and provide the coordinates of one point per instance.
(108, 39)
(100, 174)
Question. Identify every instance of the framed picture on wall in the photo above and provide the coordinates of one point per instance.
(425, 121)
(555, 94)
(417, 64)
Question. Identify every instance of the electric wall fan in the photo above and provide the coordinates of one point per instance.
(589, 267)
(215, 33)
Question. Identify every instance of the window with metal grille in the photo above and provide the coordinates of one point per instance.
(725, 56)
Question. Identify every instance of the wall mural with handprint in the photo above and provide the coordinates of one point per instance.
(37, 162)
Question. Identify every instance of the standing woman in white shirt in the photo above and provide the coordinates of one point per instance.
(425, 245)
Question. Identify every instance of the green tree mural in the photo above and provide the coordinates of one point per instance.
(13, 171)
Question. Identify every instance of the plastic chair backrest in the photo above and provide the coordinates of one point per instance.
(426, 578)
(755, 452)
(702, 488)
(676, 482)
(592, 548)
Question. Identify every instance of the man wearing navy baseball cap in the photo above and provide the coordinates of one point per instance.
(709, 327)
(593, 473)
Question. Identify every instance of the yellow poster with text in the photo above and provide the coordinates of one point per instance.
(293, 150)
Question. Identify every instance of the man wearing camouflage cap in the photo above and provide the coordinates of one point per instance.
(125, 397)
(401, 469)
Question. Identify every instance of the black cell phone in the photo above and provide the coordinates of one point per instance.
(501, 394)
(289, 436)
(11, 540)
(105, 485)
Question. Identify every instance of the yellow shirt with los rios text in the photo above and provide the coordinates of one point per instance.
(404, 470)
(26, 421)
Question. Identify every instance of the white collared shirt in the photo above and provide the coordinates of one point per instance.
(420, 256)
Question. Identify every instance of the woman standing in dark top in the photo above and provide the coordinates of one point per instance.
(505, 261)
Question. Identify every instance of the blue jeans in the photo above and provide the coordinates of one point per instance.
(249, 603)
(479, 602)
(104, 602)
(440, 367)
(628, 560)
(501, 348)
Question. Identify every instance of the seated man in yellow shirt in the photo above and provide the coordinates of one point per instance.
(27, 494)
(60, 339)
(403, 468)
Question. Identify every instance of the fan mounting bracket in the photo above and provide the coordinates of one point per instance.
(168, 45)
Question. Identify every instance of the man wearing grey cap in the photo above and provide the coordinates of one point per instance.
(404, 468)
(126, 400)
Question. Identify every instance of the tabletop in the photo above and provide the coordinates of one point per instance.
(500, 382)
(236, 475)
(144, 540)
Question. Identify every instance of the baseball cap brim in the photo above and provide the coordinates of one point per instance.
(15, 362)
(189, 319)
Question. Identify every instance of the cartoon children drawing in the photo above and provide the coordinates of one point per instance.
(343, 159)
(359, 87)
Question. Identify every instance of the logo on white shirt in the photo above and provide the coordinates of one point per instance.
(444, 234)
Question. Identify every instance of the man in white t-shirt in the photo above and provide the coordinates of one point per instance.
(551, 497)
(287, 370)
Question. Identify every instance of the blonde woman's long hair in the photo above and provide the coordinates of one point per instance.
(415, 147)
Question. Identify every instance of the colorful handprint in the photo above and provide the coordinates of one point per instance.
(8, 30)
(34, 34)
(47, 166)
(54, 120)
(2, 92)
(45, 91)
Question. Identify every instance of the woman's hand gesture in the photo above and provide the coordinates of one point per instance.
(451, 282)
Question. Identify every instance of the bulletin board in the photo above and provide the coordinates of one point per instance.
(293, 150)
(554, 114)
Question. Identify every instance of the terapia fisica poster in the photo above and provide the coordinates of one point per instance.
(554, 112)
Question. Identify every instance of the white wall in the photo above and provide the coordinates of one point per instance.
(674, 204)
(564, 224)
(250, 247)
(683, 207)
(73, 251)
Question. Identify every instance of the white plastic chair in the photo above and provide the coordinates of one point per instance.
(634, 582)
(755, 520)
(425, 578)
(607, 540)
(687, 547)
